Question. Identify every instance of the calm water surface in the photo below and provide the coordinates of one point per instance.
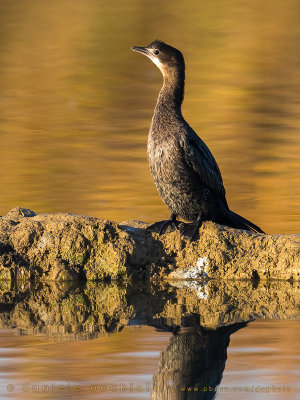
(150, 341)
(75, 109)
(76, 104)
(132, 357)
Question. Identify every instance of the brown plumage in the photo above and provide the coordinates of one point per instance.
(185, 172)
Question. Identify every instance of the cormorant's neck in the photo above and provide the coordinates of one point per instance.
(172, 93)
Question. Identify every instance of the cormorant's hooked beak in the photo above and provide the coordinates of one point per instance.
(142, 50)
(146, 52)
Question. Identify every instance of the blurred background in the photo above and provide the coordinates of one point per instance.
(75, 110)
(76, 104)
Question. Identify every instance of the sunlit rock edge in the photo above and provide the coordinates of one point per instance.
(63, 247)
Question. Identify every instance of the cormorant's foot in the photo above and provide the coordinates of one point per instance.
(190, 231)
(162, 226)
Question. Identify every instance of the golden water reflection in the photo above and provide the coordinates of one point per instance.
(76, 104)
(96, 336)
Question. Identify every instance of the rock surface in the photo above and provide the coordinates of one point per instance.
(71, 247)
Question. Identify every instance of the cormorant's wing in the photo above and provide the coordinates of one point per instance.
(198, 156)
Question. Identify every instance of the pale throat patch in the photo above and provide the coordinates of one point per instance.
(157, 62)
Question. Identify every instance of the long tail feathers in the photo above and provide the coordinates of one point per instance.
(242, 223)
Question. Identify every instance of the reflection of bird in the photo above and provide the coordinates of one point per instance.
(192, 365)
(185, 172)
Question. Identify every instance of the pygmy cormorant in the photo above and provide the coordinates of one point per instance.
(185, 172)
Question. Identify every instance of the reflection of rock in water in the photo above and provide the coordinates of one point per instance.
(193, 363)
(202, 318)
(65, 312)
(71, 312)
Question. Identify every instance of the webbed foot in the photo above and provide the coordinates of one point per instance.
(191, 230)
(162, 226)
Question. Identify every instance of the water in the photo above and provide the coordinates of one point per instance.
(149, 342)
(76, 104)
(75, 109)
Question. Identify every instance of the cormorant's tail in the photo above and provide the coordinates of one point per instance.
(236, 221)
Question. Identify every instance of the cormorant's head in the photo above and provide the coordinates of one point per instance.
(166, 58)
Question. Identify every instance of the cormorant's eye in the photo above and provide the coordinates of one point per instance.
(156, 52)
